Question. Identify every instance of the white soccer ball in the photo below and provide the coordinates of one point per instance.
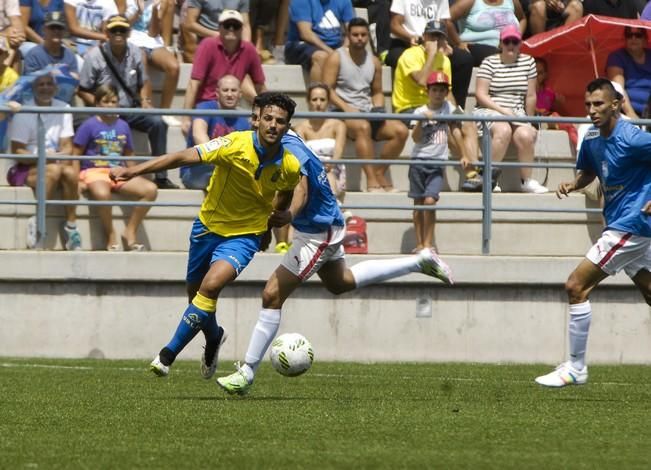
(291, 354)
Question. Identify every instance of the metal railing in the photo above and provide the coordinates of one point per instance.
(487, 164)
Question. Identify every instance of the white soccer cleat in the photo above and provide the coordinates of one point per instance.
(564, 374)
(431, 265)
(209, 369)
(158, 368)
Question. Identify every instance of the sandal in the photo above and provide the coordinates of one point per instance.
(132, 246)
(390, 189)
(113, 247)
(374, 189)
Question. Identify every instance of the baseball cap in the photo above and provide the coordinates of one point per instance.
(436, 78)
(436, 27)
(232, 15)
(510, 31)
(117, 21)
(54, 18)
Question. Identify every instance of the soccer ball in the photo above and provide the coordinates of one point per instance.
(291, 354)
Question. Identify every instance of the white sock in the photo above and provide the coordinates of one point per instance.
(580, 315)
(263, 334)
(374, 271)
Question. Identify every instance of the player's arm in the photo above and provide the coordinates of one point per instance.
(164, 162)
(583, 178)
(288, 204)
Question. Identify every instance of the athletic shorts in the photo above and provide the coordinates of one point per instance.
(425, 181)
(616, 250)
(300, 53)
(91, 175)
(207, 247)
(310, 251)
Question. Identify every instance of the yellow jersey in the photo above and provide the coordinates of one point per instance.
(407, 93)
(241, 190)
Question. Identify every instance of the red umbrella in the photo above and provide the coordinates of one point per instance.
(576, 54)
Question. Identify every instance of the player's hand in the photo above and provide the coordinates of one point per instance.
(265, 240)
(280, 218)
(647, 208)
(564, 189)
(120, 173)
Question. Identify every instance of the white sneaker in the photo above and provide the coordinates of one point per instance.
(172, 121)
(207, 371)
(532, 186)
(432, 265)
(158, 368)
(32, 235)
(497, 188)
(279, 54)
(564, 375)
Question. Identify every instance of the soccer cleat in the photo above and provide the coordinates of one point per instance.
(235, 384)
(208, 368)
(282, 247)
(431, 265)
(564, 375)
(158, 368)
(71, 238)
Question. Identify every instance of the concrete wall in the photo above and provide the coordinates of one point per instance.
(503, 310)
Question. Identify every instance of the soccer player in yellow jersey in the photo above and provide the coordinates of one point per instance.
(251, 167)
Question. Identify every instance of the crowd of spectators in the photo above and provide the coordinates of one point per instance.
(110, 47)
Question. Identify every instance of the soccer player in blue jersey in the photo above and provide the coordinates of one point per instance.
(251, 168)
(319, 231)
(619, 154)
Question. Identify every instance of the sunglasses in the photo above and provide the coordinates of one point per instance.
(635, 35)
(55, 27)
(119, 30)
(511, 42)
(232, 25)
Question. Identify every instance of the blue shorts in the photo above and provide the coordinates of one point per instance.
(207, 247)
(300, 53)
(425, 181)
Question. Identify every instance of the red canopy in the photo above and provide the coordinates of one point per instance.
(577, 53)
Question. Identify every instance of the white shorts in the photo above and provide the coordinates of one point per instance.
(310, 251)
(616, 250)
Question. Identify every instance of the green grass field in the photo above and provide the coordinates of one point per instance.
(113, 414)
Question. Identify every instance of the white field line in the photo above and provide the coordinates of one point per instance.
(338, 376)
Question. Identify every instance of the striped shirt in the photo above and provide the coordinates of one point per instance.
(508, 82)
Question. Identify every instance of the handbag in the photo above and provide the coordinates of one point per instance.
(136, 101)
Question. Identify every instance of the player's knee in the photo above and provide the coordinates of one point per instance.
(575, 290)
(271, 298)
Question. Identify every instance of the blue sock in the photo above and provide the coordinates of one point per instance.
(192, 321)
(211, 330)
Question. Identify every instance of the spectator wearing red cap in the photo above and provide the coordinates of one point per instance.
(431, 144)
(506, 86)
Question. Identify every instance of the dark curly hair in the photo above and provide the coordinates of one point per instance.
(274, 98)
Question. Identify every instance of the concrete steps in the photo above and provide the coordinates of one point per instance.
(389, 230)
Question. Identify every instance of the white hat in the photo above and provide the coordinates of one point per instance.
(231, 15)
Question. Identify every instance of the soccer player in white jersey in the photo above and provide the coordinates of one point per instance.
(319, 231)
(619, 154)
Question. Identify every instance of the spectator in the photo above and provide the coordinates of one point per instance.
(85, 20)
(408, 21)
(11, 27)
(109, 137)
(548, 14)
(52, 52)
(206, 128)
(316, 29)
(547, 100)
(119, 63)
(355, 80)
(202, 19)
(262, 14)
(326, 138)
(431, 143)
(617, 8)
(379, 18)
(480, 22)
(147, 19)
(62, 174)
(8, 77)
(631, 68)
(33, 14)
(506, 86)
(226, 54)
